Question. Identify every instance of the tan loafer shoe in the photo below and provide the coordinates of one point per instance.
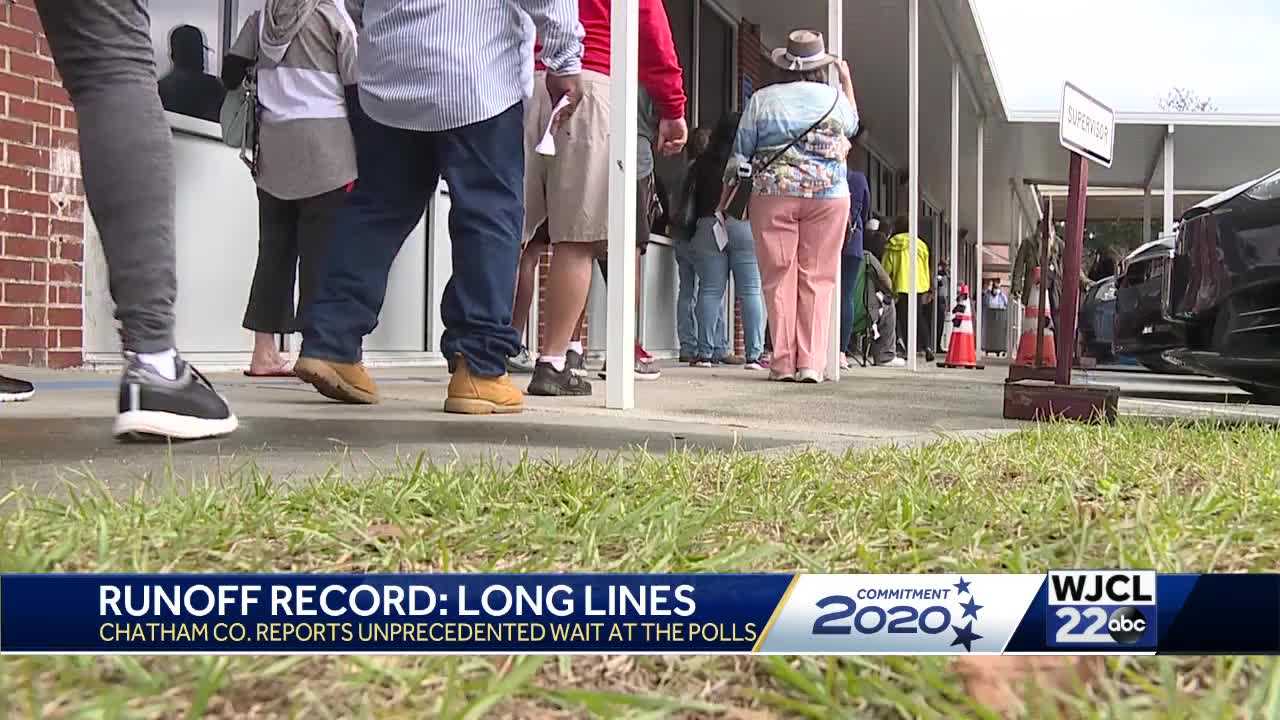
(471, 394)
(344, 382)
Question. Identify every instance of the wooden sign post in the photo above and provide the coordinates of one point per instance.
(1086, 128)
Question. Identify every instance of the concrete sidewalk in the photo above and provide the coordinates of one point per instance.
(290, 431)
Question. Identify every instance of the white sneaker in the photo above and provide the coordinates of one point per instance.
(808, 376)
(844, 361)
(894, 363)
(520, 363)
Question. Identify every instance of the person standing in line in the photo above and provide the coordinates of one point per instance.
(897, 262)
(442, 93)
(568, 191)
(102, 49)
(650, 219)
(873, 240)
(851, 257)
(795, 137)
(942, 302)
(684, 224)
(530, 256)
(995, 297)
(715, 263)
(306, 161)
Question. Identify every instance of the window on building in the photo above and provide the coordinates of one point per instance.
(680, 16)
(188, 39)
(716, 73)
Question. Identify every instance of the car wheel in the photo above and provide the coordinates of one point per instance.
(1266, 395)
(1157, 364)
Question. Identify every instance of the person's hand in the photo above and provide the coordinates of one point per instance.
(928, 298)
(672, 135)
(564, 86)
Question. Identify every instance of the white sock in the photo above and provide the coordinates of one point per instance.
(575, 346)
(162, 362)
(557, 361)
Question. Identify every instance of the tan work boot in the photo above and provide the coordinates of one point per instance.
(474, 395)
(345, 382)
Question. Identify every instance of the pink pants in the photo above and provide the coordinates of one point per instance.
(798, 244)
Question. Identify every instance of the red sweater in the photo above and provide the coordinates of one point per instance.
(660, 73)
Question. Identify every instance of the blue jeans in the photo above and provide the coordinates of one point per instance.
(686, 299)
(849, 265)
(714, 266)
(399, 170)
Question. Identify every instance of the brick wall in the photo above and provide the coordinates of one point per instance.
(41, 202)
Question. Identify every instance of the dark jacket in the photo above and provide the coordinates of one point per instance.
(859, 212)
(708, 182)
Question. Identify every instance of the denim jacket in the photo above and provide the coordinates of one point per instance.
(815, 166)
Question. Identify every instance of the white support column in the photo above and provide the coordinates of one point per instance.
(975, 293)
(835, 46)
(954, 212)
(623, 136)
(1168, 181)
(531, 332)
(913, 172)
(1146, 214)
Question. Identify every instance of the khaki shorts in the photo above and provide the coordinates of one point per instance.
(570, 191)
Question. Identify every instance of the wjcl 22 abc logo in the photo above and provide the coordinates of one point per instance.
(1102, 608)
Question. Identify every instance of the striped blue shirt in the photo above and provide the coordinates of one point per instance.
(436, 65)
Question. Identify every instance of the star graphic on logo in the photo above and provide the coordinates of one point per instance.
(965, 636)
(971, 608)
(962, 586)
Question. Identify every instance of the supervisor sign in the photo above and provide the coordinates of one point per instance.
(1086, 126)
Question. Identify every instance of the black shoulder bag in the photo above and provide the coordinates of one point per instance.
(740, 197)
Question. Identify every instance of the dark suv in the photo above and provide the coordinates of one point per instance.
(1141, 328)
(1225, 287)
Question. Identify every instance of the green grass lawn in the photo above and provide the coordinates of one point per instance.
(1176, 498)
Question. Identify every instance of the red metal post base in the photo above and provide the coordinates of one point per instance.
(1035, 400)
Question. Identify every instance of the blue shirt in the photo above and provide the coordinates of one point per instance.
(859, 212)
(814, 167)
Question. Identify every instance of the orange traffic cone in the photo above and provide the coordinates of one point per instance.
(963, 351)
(1026, 356)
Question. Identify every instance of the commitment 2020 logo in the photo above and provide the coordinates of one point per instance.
(871, 618)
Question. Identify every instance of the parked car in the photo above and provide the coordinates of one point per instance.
(1141, 328)
(1224, 290)
(1097, 318)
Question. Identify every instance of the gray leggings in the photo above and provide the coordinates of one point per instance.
(103, 51)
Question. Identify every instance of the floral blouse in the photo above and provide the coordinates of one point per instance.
(813, 167)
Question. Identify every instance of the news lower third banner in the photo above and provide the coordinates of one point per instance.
(1066, 611)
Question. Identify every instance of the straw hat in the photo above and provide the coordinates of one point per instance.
(805, 50)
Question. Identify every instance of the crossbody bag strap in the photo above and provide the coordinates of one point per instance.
(778, 155)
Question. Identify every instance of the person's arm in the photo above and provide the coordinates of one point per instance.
(355, 12)
(846, 83)
(347, 35)
(659, 70)
(561, 36)
(560, 33)
(241, 55)
(880, 276)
